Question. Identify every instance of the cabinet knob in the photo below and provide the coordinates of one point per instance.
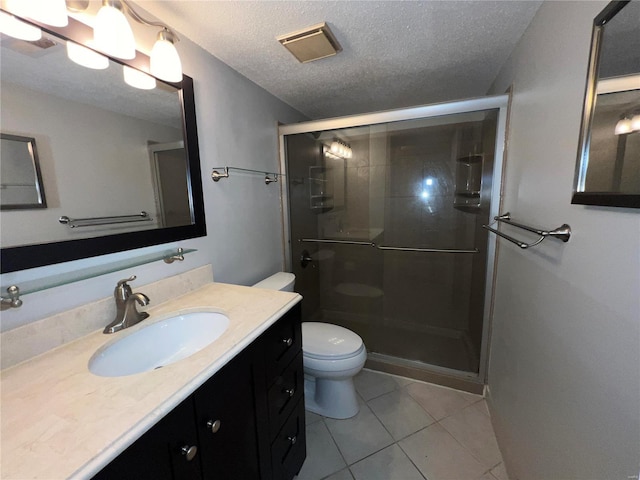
(293, 439)
(213, 425)
(287, 341)
(290, 391)
(189, 452)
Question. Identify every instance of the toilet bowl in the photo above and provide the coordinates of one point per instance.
(332, 356)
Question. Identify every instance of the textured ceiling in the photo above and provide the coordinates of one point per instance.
(396, 53)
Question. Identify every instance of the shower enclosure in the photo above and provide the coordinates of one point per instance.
(385, 213)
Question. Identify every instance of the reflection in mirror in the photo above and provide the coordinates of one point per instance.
(21, 186)
(106, 149)
(608, 170)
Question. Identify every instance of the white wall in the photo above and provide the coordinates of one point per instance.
(564, 378)
(237, 126)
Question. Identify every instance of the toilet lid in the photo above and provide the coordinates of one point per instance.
(325, 340)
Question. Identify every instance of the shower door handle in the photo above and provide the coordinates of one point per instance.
(305, 259)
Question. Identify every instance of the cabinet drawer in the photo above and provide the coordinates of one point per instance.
(284, 394)
(288, 450)
(283, 341)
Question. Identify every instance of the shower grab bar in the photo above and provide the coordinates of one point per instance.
(93, 221)
(344, 242)
(563, 232)
(384, 247)
(428, 250)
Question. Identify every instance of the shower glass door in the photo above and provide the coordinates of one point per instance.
(386, 233)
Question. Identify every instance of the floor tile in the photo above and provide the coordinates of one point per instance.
(472, 428)
(440, 402)
(390, 463)
(311, 417)
(323, 457)
(439, 456)
(400, 413)
(342, 475)
(500, 472)
(373, 384)
(359, 436)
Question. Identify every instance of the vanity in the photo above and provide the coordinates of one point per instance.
(235, 409)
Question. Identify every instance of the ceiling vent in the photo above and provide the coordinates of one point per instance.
(311, 44)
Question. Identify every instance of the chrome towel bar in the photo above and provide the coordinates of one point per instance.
(92, 221)
(385, 247)
(269, 177)
(563, 232)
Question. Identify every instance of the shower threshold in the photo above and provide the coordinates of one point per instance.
(465, 381)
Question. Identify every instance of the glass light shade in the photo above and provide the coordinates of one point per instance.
(623, 126)
(10, 25)
(165, 61)
(86, 57)
(112, 33)
(51, 12)
(138, 79)
(635, 123)
(335, 147)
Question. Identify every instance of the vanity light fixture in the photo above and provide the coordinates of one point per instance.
(112, 33)
(10, 25)
(51, 12)
(623, 126)
(340, 149)
(138, 79)
(164, 59)
(635, 122)
(86, 57)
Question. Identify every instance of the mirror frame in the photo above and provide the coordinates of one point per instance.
(581, 197)
(37, 255)
(37, 174)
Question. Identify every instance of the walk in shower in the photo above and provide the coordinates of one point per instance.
(385, 215)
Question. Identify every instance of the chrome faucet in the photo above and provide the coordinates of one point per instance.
(127, 315)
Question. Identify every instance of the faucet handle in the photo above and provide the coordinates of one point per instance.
(123, 290)
(125, 280)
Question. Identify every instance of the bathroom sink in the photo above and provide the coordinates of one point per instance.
(158, 344)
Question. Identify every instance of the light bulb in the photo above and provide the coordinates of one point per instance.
(112, 33)
(51, 12)
(138, 79)
(10, 25)
(623, 126)
(164, 59)
(635, 123)
(335, 147)
(86, 57)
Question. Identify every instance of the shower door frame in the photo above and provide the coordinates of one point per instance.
(499, 102)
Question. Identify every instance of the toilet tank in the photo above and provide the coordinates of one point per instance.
(279, 281)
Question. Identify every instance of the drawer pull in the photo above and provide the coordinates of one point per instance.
(293, 439)
(287, 341)
(189, 452)
(213, 425)
(290, 391)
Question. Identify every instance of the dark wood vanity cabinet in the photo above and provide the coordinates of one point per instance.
(246, 422)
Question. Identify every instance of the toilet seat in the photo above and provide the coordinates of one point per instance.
(325, 341)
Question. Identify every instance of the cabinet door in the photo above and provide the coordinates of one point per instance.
(226, 422)
(159, 454)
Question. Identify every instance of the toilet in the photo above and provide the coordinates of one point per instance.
(332, 356)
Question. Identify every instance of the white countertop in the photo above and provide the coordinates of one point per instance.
(58, 420)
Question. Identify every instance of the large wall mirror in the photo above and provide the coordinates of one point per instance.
(608, 167)
(119, 165)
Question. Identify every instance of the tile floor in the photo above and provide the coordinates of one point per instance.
(405, 430)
